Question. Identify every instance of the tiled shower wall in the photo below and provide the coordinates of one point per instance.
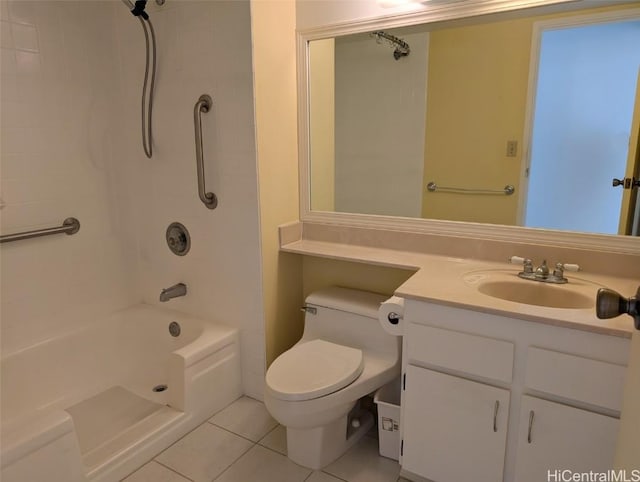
(203, 47)
(71, 83)
(57, 160)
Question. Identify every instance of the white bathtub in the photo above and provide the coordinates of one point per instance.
(81, 406)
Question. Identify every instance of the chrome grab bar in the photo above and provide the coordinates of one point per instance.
(69, 226)
(204, 104)
(508, 189)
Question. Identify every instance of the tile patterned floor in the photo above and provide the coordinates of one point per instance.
(242, 443)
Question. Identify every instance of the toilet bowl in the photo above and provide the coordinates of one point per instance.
(313, 389)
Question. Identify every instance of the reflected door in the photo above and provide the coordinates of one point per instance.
(628, 446)
(584, 103)
(630, 208)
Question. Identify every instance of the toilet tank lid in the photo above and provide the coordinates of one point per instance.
(360, 302)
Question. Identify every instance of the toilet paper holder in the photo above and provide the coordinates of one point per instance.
(394, 318)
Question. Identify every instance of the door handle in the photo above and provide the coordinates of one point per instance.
(626, 183)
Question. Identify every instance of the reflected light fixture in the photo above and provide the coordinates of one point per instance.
(397, 3)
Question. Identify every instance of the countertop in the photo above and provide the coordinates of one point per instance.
(451, 281)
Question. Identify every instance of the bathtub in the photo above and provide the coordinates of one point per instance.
(98, 402)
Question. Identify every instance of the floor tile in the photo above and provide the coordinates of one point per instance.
(319, 476)
(362, 463)
(276, 440)
(154, 472)
(246, 417)
(204, 453)
(263, 465)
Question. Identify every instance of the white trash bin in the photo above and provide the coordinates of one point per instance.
(387, 399)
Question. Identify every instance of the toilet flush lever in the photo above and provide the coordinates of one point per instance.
(309, 309)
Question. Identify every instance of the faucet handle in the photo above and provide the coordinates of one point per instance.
(569, 266)
(562, 267)
(558, 272)
(526, 262)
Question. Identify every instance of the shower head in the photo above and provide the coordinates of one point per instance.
(401, 48)
(137, 10)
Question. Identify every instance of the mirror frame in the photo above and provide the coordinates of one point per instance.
(436, 12)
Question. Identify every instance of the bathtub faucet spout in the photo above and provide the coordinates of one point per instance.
(174, 291)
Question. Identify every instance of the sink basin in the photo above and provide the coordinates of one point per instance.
(539, 294)
(578, 294)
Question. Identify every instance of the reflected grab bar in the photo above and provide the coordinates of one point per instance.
(203, 105)
(508, 189)
(69, 226)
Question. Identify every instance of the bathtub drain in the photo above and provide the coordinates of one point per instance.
(159, 388)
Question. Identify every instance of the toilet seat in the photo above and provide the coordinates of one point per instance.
(313, 369)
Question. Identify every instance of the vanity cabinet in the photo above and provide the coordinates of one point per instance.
(453, 419)
(553, 437)
(491, 398)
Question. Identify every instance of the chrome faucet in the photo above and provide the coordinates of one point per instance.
(174, 291)
(541, 273)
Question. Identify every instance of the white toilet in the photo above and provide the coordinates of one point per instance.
(313, 389)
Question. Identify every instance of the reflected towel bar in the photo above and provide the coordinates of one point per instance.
(508, 189)
(69, 226)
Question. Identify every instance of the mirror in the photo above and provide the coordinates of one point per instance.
(515, 118)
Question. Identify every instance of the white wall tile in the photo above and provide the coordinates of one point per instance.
(4, 10)
(203, 47)
(8, 57)
(6, 41)
(21, 11)
(25, 37)
(55, 126)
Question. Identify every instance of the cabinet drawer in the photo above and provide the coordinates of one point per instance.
(583, 379)
(472, 354)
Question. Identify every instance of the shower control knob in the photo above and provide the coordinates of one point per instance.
(178, 239)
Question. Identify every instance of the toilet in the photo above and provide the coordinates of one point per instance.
(314, 388)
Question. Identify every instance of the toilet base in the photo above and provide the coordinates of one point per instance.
(317, 447)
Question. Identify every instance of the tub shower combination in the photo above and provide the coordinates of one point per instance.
(98, 402)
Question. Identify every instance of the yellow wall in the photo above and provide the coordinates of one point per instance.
(476, 102)
(273, 30)
(320, 273)
(476, 99)
(322, 123)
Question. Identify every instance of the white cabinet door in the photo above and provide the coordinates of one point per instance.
(454, 430)
(562, 438)
(628, 448)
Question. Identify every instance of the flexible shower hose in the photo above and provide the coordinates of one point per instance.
(146, 112)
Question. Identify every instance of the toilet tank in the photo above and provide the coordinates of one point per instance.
(348, 317)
